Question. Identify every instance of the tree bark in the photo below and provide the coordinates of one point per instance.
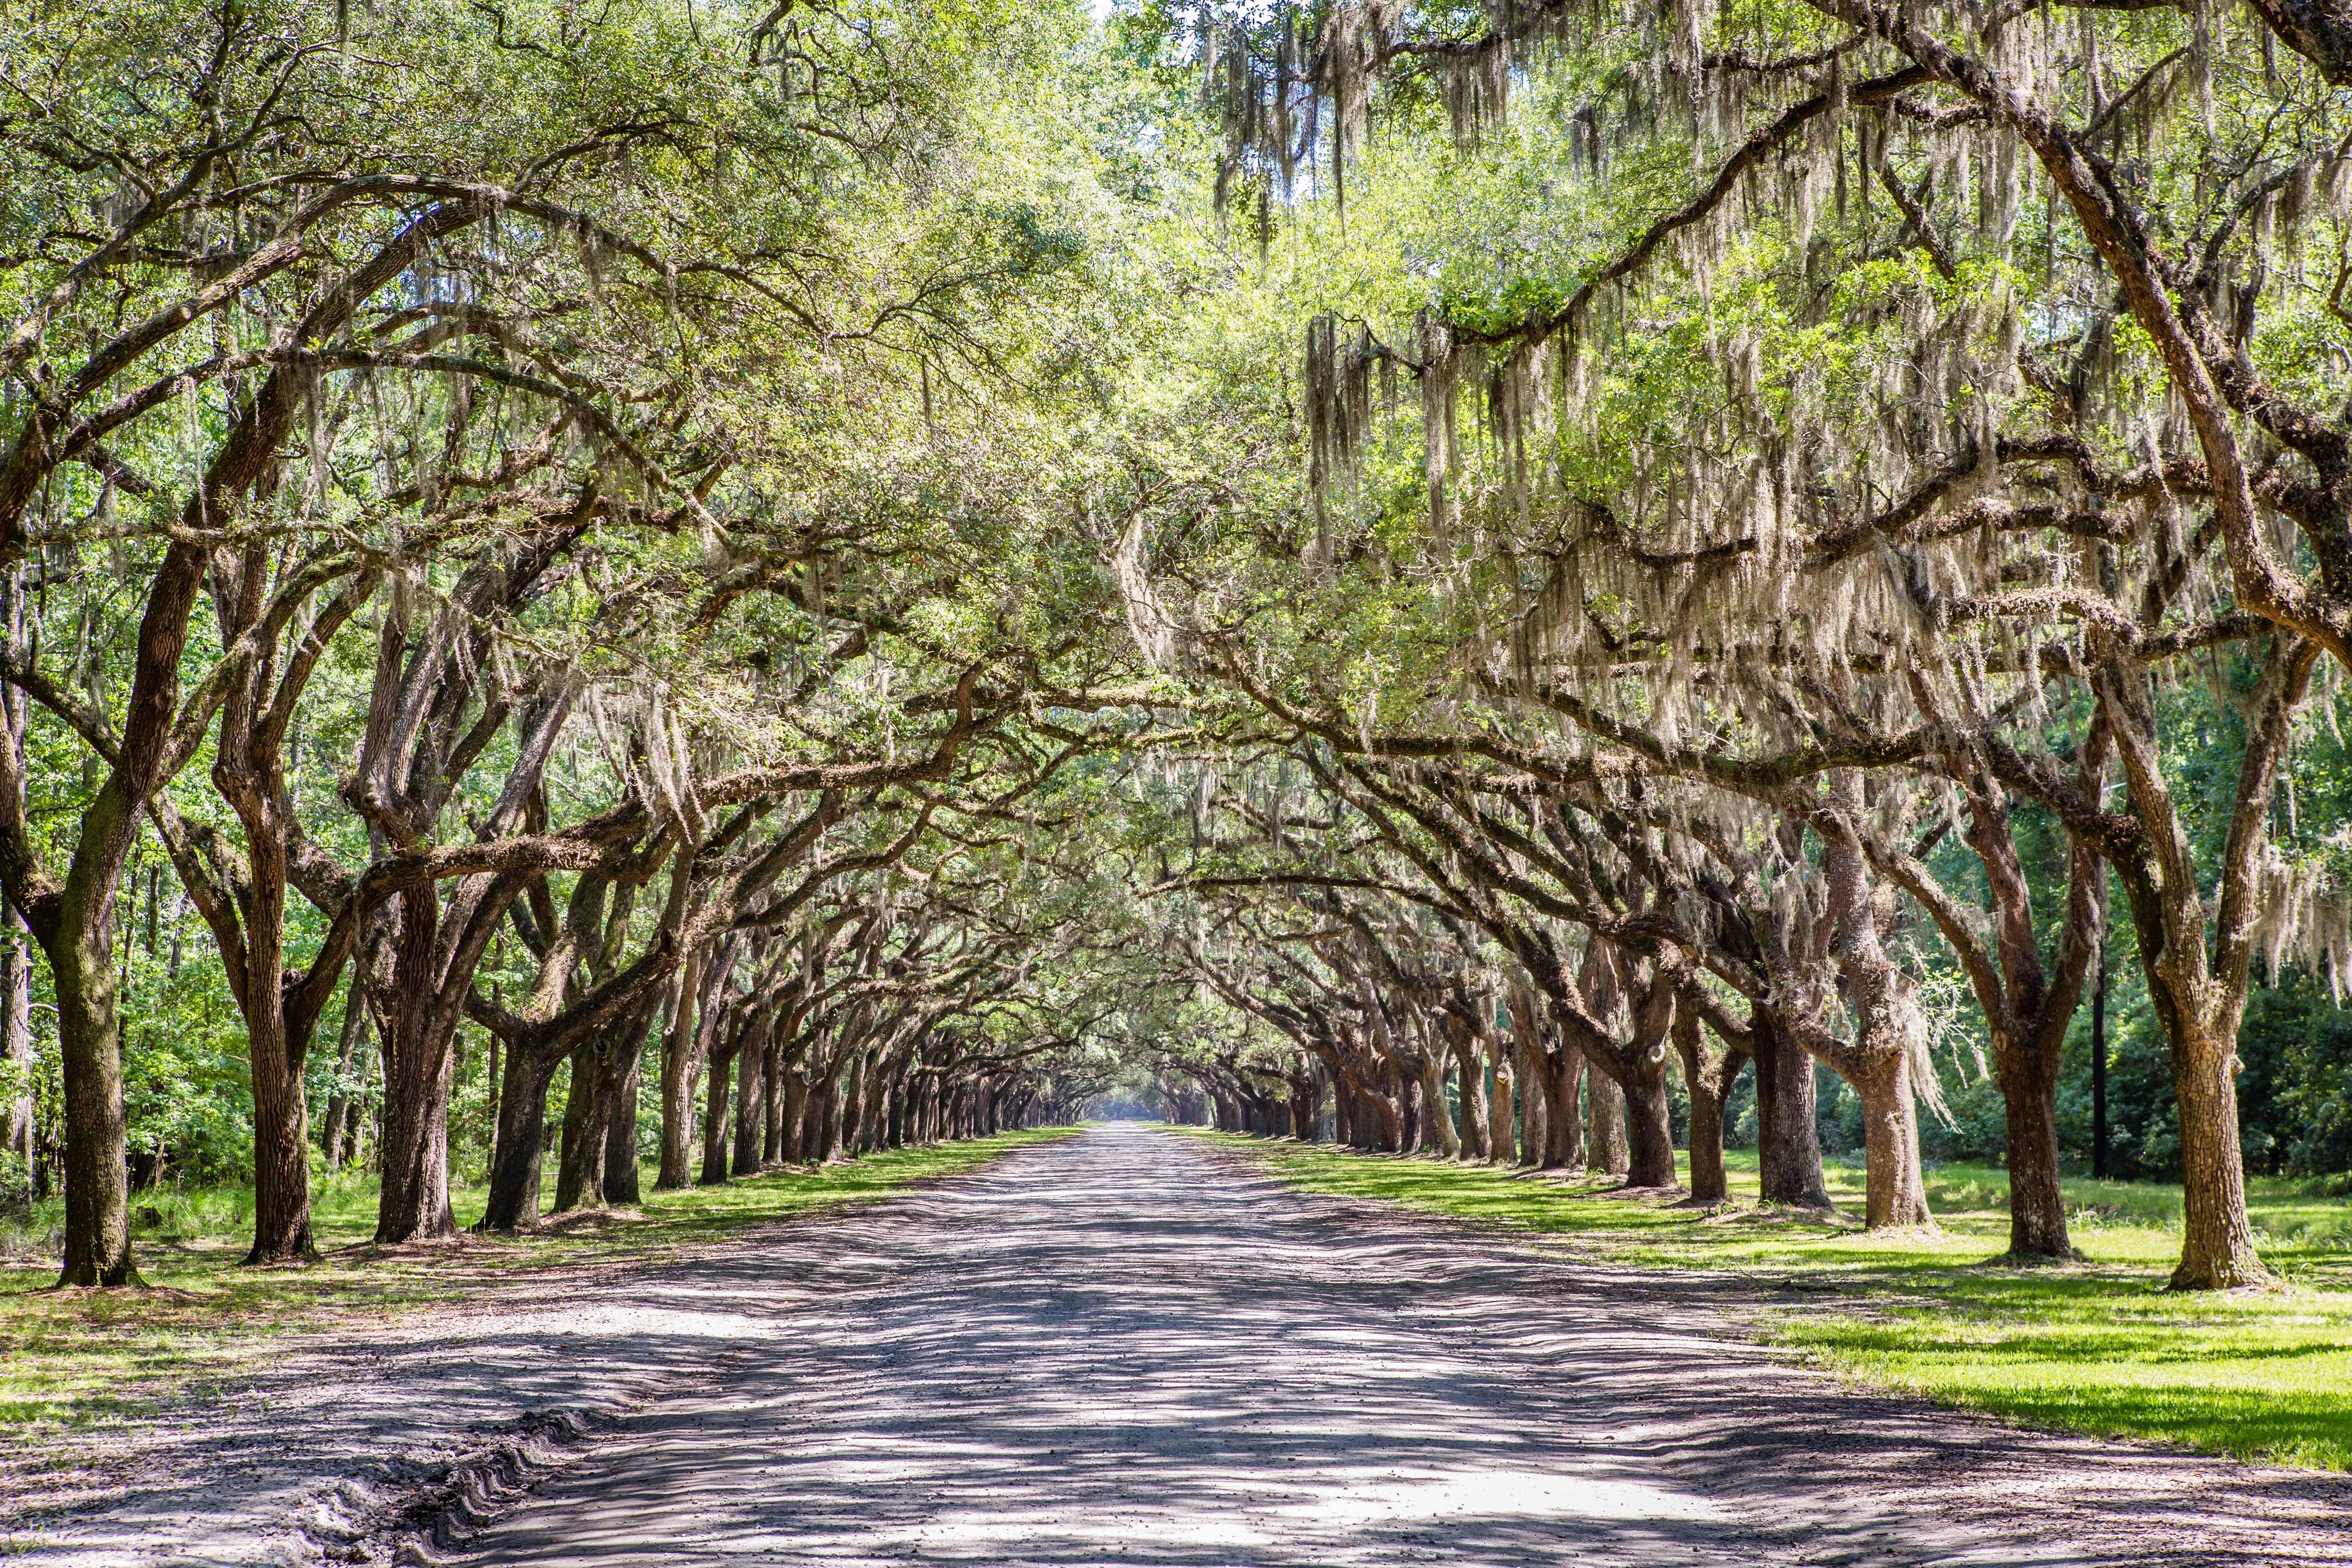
(2216, 1239)
(623, 1077)
(678, 1076)
(716, 1087)
(852, 1113)
(1501, 1116)
(796, 1118)
(751, 1077)
(580, 1169)
(1708, 1076)
(2037, 1204)
(512, 1202)
(1897, 1188)
(771, 1104)
(1470, 1074)
(1788, 1127)
(1605, 1109)
(1438, 1135)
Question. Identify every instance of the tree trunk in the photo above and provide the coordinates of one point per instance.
(619, 1096)
(1438, 1135)
(1788, 1133)
(678, 1077)
(1708, 1076)
(772, 1105)
(17, 1040)
(1710, 1184)
(853, 1107)
(1605, 1108)
(1897, 1188)
(750, 1077)
(1564, 1130)
(1470, 1074)
(1529, 1078)
(16, 957)
(513, 1200)
(2037, 1204)
(281, 1136)
(1649, 1126)
(413, 1204)
(714, 1117)
(796, 1118)
(98, 1171)
(1500, 1110)
(2216, 1239)
(825, 1108)
(580, 1166)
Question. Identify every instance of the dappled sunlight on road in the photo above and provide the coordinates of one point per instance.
(1118, 1350)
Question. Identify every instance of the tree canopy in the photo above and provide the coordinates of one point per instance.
(1544, 581)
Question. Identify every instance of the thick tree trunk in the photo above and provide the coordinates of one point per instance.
(1788, 1132)
(678, 1065)
(796, 1119)
(98, 1171)
(1500, 1113)
(1605, 1109)
(622, 1083)
(281, 1138)
(853, 1107)
(1564, 1133)
(714, 1117)
(827, 1108)
(1529, 1078)
(1649, 1127)
(772, 1105)
(749, 1079)
(2216, 1239)
(580, 1165)
(1709, 1183)
(512, 1202)
(1470, 1076)
(1896, 1187)
(1708, 1077)
(2037, 1205)
(1438, 1135)
(413, 1204)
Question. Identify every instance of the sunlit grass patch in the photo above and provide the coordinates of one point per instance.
(76, 1358)
(2098, 1347)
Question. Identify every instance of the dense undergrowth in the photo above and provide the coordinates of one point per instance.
(82, 1357)
(2099, 1347)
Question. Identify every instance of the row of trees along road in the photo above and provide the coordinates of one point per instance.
(520, 508)
(1771, 469)
(869, 563)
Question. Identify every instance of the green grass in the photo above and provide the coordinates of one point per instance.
(2098, 1347)
(80, 1358)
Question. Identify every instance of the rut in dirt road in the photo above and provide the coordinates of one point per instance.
(1120, 1348)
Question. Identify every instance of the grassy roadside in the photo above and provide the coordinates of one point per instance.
(76, 1359)
(2098, 1348)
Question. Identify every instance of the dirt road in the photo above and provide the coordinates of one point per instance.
(1125, 1349)
(1122, 1349)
